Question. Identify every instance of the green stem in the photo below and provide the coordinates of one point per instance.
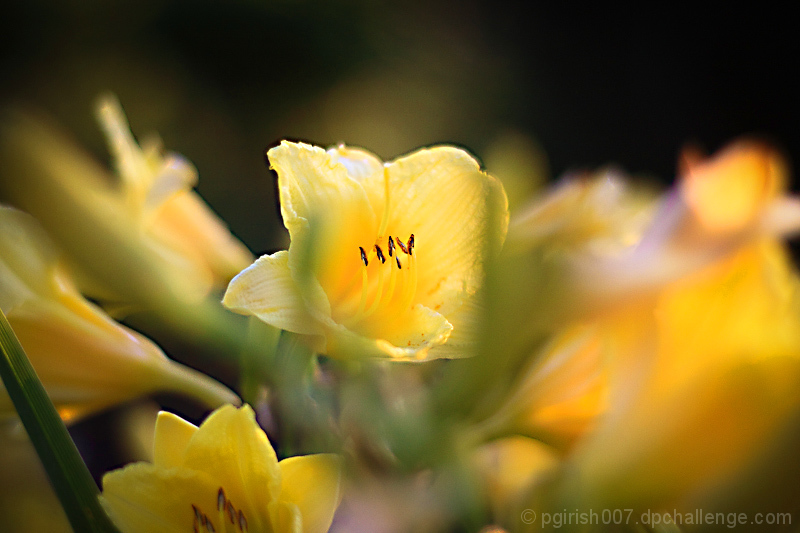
(68, 474)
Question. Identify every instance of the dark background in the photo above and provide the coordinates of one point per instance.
(221, 81)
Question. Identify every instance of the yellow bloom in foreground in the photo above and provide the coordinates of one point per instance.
(385, 258)
(222, 477)
(85, 360)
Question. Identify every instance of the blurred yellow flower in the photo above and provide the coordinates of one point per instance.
(222, 476)
(690, 375)
(721, 204)
(385, 258)
(157, 189)
(732, 190)
(145, 238)
(705, 382)
(85, 360)
(563, 393)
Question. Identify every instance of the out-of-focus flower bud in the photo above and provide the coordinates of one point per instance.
(85, 360)
(143, 239)
(562, 394)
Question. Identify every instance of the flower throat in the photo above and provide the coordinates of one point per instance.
(405, 272)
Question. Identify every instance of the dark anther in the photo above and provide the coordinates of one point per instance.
(363, 256)
(411, 244)
(221, 499)
(396, 258)
(380, 254)
(402, 246)
(391, 246)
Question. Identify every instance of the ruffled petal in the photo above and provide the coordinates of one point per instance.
(442, 197)
(172, 436)
(410, 336)
(266, 290)
(235, 451)
(317, 192)
(313, 484)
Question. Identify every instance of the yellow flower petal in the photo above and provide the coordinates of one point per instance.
(440, 195)
(286, 517)
(143, 498)
(317, 189)
(728, 192)
(232, 449)
(172, 437)
(266, 289)
(312, 483)
(413, 335)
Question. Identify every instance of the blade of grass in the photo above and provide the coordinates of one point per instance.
(68, 474)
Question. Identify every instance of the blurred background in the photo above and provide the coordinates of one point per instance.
(222, 81)
(533, 89)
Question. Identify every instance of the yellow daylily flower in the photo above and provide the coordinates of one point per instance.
(222, 477)
(85, 360)
(385, 258)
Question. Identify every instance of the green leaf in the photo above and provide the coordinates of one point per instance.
(68, 474)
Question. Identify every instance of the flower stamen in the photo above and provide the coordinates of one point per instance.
(226, 512)
(402, 246)
(383, 299)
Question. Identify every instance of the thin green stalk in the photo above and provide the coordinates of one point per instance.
(68, 474)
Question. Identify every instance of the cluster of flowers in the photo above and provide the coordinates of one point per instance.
(602, 346)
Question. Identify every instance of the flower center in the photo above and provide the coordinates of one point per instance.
(228, 519)
(377, 296)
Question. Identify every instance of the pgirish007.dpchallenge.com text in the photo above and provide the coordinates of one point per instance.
(652, 518)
